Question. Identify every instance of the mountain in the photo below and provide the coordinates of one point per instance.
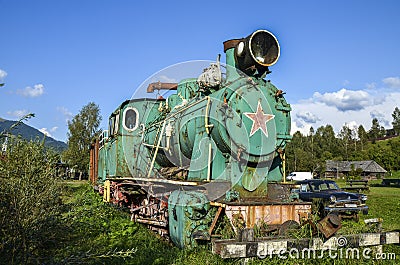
(29, 133)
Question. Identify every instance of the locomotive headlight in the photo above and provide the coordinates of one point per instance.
(258, 50)
(264, 47)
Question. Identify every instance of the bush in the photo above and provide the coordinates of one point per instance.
(30, 203)
(102, 234)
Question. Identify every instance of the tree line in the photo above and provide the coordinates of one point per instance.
(310, 152)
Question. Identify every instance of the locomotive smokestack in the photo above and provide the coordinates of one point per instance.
(252, 54)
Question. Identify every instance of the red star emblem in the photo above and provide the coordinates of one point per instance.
(259, 119)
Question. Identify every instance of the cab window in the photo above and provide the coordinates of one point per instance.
(113, 124)
(130, 119)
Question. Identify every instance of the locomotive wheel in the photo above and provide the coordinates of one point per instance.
(152, 212)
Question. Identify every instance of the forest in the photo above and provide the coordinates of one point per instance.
(309, 152)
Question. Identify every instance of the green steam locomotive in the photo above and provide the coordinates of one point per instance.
(211, 153)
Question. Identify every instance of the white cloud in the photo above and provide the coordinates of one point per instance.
(45, 132)
(307, 116)
(303, 121)
(17, 113)
(392, 82)
(345, 100)
(370, 86)
(331, 114)
(67, 114)
(352, 125)
(380, 116)
(3, 74)
(35, 91)
(301, 126)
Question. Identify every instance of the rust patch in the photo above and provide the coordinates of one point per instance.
(269, 214)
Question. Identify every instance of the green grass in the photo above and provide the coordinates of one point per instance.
(96, 233)
(102, 234)
(384, 202)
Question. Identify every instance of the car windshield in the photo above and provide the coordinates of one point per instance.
(324, 186)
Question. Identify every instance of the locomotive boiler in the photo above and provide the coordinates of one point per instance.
(213, 150)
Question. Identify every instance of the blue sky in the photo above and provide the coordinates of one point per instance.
(340, 60)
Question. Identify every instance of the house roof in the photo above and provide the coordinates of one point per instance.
(368, 166)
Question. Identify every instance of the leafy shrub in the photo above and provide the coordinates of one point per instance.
(29, 201)
(102, 234)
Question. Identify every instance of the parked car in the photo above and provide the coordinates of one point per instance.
(299, 176)
(329, 198)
